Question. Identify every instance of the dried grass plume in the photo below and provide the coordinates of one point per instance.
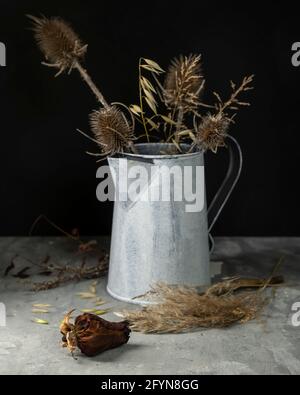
(183, 309)
(184, 83)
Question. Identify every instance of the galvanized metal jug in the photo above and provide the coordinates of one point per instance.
(161, 241)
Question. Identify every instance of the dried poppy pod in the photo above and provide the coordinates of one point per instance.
(93, 335)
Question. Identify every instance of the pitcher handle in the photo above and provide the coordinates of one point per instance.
(232, 177)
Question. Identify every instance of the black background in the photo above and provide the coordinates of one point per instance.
(44, 168)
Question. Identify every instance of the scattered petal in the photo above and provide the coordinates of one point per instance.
(40, 311)
(40, 322)
(41, 306)
(86, 295)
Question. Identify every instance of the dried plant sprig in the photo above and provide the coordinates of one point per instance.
(69, 273)
(182, 309)
(231, 285)
(233, 103)
(147, 93)
(213, 129)
(111, 129)
(212, 132)
(184, 83)
(63, 49)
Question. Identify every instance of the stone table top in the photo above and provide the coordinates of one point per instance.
(270, 345)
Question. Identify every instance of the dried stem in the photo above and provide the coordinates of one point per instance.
(85, 76)
(141, 101)
(179, 125)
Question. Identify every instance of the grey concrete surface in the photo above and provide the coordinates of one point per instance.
(270, 345)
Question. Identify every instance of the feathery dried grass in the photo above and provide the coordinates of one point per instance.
(184, 83)
(111, 129)
(183, 309)
(212, 132)
(58, 42)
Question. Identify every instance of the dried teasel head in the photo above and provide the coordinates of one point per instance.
(212, 132)
(58, 42)
(184, 83)
(111, 129)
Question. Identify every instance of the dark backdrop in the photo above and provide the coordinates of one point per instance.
(43, 164)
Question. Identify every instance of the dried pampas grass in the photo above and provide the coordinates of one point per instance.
(183, 309)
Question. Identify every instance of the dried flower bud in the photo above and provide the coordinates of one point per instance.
(58, 42)
(111, 130)
(93, 335)
(212, 132)
(184, 83)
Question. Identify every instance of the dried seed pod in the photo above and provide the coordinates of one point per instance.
(111, 130)
(184, 83)
(212, 132)
(58, 42)
(93, 335)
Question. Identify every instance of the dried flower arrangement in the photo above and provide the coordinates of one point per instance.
(180, 95)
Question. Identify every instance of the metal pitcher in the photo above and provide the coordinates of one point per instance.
(161, 241)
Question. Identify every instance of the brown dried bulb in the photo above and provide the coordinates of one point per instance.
(93, 335)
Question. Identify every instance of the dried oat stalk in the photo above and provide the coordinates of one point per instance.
(183, 309)
(111, 129)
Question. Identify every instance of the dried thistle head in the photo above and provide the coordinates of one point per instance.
(184, 83)
(58, 42)
(111, 130)
(212, 132)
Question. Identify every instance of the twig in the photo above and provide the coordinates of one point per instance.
(70, 236)
(85, 76)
